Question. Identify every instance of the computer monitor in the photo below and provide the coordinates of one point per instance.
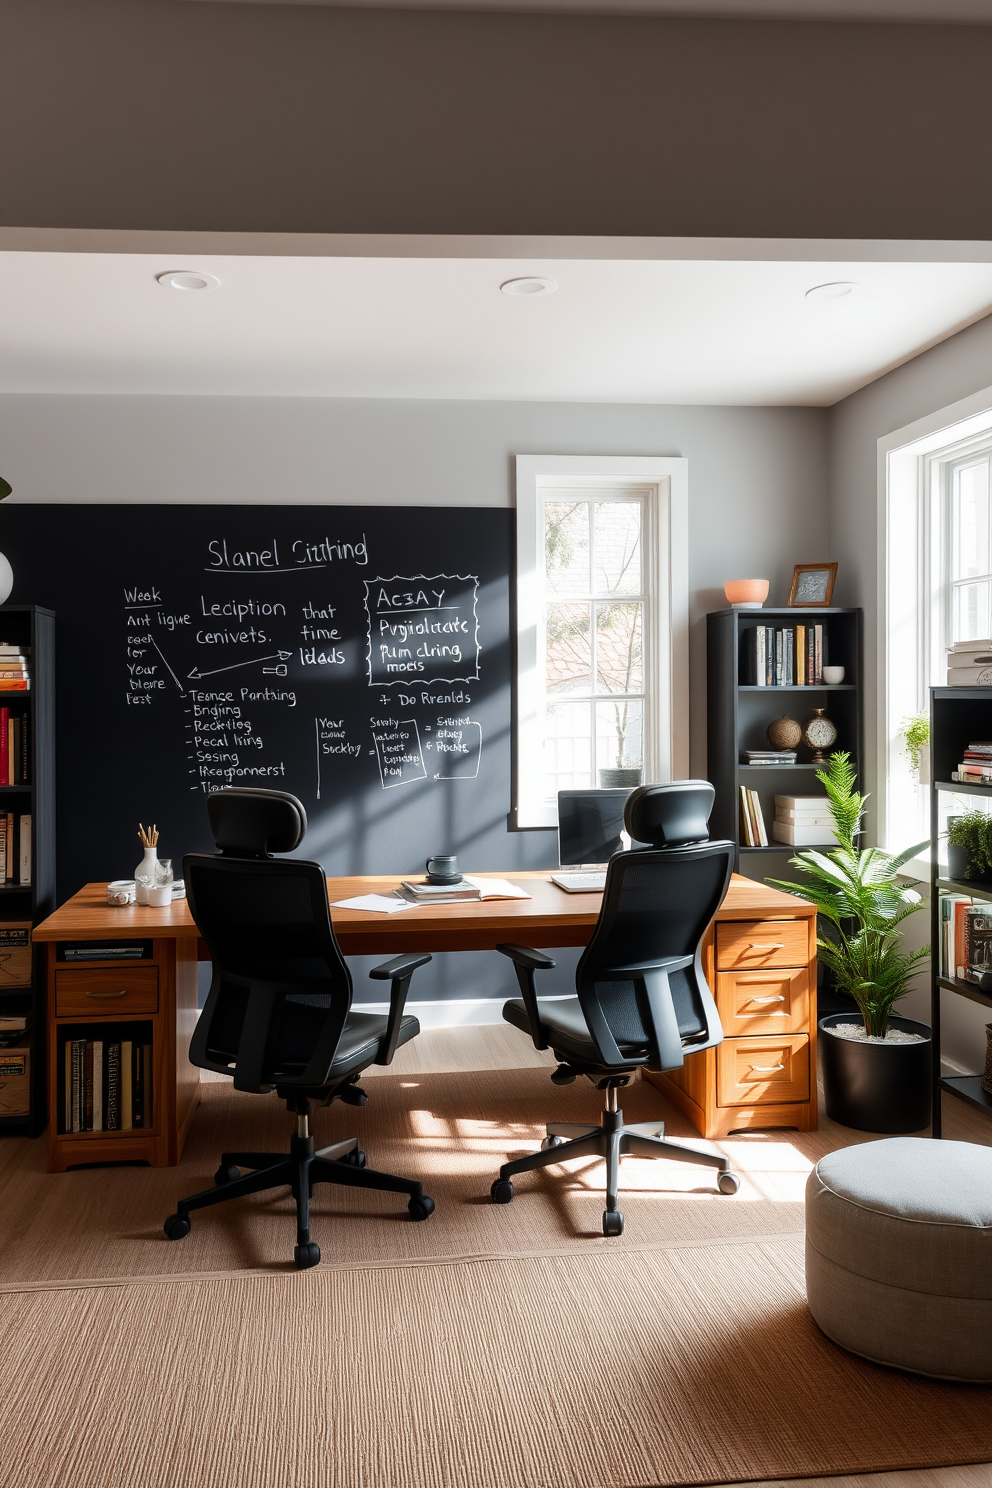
(590, 823)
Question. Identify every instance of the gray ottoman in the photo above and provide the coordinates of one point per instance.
(899, 1254)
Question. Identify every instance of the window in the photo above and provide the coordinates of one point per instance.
(597, 659)
(936, 584)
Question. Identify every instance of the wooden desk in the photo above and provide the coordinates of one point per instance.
(765, 950)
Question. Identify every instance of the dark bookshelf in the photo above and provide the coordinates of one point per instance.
(34, 627)
(738, 715)
(957, 716)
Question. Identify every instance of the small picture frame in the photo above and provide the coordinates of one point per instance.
(812, 585)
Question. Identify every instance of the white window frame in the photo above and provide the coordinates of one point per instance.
(913, 617)
(665, 480)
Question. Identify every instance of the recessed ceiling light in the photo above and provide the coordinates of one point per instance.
(835, 291)
(187, 279)
(530, 286)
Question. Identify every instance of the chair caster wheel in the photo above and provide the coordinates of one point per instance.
(176, 1227)
(728, 1183)
(550, 1142)
(355, 1159)
(612, 1222)
(421, 1208)
(226, 1173)
(306, 1256)
(501, 1191)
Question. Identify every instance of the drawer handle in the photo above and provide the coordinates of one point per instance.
(121, 993)
(767, 1069)
(767, 999)
(765, 945)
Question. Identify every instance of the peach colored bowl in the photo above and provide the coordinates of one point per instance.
(750, 592)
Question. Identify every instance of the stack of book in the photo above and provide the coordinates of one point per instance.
(13, 1027)
(15, 848)
(419, 891)
(15, 745)
(791, 656)
(969, 664)
(768, 757)
(15, 668)
(803, 821)
(108, 1085)
(753, 833)
(966, 938)
(976, 764)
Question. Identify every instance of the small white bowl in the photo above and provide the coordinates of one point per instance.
(833, 675)
(121, 892)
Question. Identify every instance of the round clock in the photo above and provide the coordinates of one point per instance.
(818, 734)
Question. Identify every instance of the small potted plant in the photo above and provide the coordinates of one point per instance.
(916, 734)
(876, 1072)
(969, 847)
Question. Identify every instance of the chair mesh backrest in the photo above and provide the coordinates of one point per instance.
(658, 903)
(269, 920)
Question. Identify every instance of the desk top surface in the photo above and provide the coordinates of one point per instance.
(463, 926)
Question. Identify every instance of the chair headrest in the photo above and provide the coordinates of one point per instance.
(253, 823)
(670, 815)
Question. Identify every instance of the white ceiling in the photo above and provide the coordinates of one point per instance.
(630, 331)
(946, 11)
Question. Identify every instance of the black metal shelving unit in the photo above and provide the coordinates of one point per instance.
(957, 715)
(30, 625)
(738, 715)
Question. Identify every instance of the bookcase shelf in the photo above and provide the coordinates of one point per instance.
(739, 714)
(30, 626)
(957, 716)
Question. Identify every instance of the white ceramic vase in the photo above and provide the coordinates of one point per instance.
(146, 869)
(6, 579)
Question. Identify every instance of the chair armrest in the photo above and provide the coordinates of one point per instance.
(399, 966)
(399, 972)
(525, 962)
(526, 956)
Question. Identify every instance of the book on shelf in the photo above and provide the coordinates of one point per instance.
(108, 1085)
(783, 656)
(15, 953)
(15, 849)
(768, 757)
(753, 831)
(803, 809)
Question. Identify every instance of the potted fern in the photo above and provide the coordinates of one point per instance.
(876, 1071)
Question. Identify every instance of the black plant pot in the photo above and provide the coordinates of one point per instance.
(958, 864)
(876, 1087)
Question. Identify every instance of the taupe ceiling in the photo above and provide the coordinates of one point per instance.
(962, 12)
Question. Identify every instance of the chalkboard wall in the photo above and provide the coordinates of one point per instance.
(358, 658)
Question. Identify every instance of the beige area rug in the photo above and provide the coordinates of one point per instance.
(451, 1131)
(679, 1365)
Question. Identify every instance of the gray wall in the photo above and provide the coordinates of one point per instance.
(941, 376)
(757, 487)
(313, 118)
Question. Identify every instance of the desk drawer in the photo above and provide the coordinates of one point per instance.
(762, 1071)
(746, 945)
(763, 1001)
(118, 991)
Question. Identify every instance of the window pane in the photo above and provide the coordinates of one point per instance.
(618, 547)
(971, 522)
(566, 546)
(568, 748)
(568, 662)
(971, 617)
(620, 734)
(618, 648)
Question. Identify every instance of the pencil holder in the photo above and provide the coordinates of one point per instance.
(145, 875)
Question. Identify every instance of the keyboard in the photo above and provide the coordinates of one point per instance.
(581, 883)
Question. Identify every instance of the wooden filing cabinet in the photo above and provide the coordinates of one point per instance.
(153, 999)
(763, 976)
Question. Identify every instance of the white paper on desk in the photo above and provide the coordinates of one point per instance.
(497, 888)
(379, 903)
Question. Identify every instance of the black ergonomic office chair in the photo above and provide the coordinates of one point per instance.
(641, 997)
(278, 1015)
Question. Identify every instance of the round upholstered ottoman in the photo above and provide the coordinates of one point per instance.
(899, 1254)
